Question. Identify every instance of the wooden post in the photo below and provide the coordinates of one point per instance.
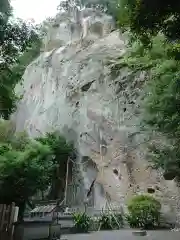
(15, 218)
(85, 207)
(66, 184)
(50, 232)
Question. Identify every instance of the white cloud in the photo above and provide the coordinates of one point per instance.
(35, 9)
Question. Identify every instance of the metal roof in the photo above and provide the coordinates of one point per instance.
(44, 209)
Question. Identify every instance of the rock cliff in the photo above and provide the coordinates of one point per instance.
(71, 87)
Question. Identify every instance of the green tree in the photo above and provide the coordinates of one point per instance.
(24, 173)
(162, 110)
(28, 166)
(15, 37)
(62, 150)
(11, 76)
(160, 103)
(5, 12)
(147, 18)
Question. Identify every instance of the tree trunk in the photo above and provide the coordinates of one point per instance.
(58, 183)
(22, 206)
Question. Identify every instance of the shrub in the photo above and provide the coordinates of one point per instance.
(105, 221)
(82, 222)
(109, 221)
(144, 212)
(117, 220)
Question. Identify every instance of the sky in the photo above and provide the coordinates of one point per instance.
(35, 9)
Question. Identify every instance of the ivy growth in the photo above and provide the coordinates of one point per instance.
(162, 95)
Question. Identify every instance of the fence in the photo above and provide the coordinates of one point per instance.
(7, 214)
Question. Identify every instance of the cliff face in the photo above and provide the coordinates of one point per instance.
(70, 87)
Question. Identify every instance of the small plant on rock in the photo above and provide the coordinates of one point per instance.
(144, 212)
(82, 222)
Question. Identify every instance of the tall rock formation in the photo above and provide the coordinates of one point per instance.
(71, 87)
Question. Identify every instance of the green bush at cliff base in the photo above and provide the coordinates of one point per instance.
(144, 212)
(82, 222)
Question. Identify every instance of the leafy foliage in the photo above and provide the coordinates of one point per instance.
(82, 222)
(58, 144)
(61, 151)
(161, 99)
(117, 220)
(23, 173)
(11, 76)
(144, 212)
(27, 166)
(15, 37)
(159, 56)
(146, 18)
(25, 59)
(109, 221)
(7, 130)
(5, 6)
(161, 105)
(105, 222)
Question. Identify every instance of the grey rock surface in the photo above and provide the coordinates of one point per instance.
(70, 87)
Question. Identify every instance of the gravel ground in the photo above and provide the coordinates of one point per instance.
(124, 235)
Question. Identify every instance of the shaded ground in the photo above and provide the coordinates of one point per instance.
(124, 235)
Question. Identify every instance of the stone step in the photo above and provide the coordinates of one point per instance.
(67, 230)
